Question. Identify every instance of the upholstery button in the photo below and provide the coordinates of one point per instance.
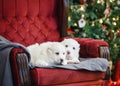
(15, 17)
(23, 39)
(3, 17)
(27, 16)
(38, 15)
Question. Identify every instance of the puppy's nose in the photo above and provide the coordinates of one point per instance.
(61, 60)
(68, 52)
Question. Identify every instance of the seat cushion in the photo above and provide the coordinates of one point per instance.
(44, 76)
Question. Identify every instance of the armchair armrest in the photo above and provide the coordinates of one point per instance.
(20, 67)
(93, 48)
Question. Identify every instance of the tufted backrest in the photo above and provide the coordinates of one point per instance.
(31, 21)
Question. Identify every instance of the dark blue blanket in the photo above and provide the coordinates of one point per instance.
(5, 69)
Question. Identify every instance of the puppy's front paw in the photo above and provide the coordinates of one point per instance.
(73, 62)
(77, 61)
(64, 62)
(41, 63)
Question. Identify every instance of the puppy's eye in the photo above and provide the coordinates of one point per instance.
(57, 53)
(73, 48)
(66, 45)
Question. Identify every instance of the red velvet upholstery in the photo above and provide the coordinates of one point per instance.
(45, 76)
(31, 21)
(27, 22)
(87, 49)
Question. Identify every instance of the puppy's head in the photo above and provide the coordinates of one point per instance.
(57, 52)
(72, 48)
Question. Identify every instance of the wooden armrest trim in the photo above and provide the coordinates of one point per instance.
(104, 52)
(23, 66)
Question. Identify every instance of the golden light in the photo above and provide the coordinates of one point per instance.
(98, 1)
(75, 24)
(93, 24)
(113, 19)
(101, 21)
(71, 7)
(82, 8)
(112, 0)
(112, 31)
(117, 18)
(82, 15)
(115, 45)
(118, 31)
(114, 23)
(69, 18)
(108, 20)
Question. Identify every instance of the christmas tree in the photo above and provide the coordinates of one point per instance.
(98, 19)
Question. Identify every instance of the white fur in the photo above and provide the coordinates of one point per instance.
(47, 53)
(72, 48)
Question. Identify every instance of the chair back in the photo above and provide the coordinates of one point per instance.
(32, 21)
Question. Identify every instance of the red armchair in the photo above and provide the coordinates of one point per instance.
(30, 21)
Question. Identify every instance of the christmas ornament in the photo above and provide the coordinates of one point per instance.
(107, 11)
(111, 83)
(81, 23)
(82, 1)
(104, 26)
(74, 28)
(118, 32)
(70, 31)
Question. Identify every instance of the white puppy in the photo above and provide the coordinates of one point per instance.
(72, 48)
(47, 53)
